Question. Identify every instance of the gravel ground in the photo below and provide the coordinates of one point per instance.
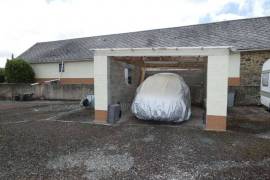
(249, 119)
(72, 150)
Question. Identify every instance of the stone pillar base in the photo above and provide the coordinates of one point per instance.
(100, 117)
(216, 123)
(234, 81)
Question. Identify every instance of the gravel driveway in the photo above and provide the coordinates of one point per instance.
(72, 150)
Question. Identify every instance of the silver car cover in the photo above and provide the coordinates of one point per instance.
(162, 97)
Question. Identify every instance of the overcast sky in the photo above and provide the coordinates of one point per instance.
(23, 23)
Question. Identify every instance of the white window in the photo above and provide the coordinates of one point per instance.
(265, 79)
(128, 75)
(61, 67)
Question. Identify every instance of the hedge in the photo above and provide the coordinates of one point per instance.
(19, 71)
(2, 75)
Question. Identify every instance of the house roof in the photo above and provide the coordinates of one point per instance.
(244, 34)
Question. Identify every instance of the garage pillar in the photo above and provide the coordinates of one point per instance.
(217, 92)
(101, 88)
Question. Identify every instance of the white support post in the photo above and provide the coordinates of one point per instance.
(101, 88)
(217, 92)
(234, 69)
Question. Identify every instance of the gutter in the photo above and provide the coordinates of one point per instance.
(160, 51)
(60, 60)
(231, 48)
(163, 48)
(250, 50)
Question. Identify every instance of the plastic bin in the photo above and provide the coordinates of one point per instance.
(231, 98)
(114, 113)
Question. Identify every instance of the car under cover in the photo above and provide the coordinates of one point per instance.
(162, 97)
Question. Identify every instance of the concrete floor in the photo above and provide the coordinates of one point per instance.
(195, 121)
(48, 140)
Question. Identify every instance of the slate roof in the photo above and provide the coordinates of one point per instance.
(244, 34)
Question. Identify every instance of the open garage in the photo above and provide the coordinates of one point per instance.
(207, 71)
(127, 73)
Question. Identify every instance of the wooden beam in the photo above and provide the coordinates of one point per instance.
(178, 65)
(176, 58)
(184, 62)
(142, 74)
(137, 61)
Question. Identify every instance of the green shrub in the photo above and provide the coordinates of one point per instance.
(19, 71)
(2, 75)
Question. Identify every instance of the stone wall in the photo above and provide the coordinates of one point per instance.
(251, 67)
(248, 93)
(46, 91)
(120, 91)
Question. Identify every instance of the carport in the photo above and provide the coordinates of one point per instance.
(221, 65)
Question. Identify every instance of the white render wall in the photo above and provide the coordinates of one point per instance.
(101, 87)
(217, 85)
(79, 69)
(234, 65)
(265, 99)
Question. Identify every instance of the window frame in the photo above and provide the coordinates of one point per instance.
(128, 75)
(265, 79)
(60, 67)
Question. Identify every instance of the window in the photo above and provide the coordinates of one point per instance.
(128, 72)
(61, 67)
(265, 79)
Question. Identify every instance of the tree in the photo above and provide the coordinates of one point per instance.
(2, 75)
(19, 71)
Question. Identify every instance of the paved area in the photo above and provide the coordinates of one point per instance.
(15, 112)
(54, 148)
(25, 111)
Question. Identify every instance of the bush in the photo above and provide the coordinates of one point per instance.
(19, 71)
(2, 75)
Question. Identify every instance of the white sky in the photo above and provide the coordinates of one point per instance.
(25, 22)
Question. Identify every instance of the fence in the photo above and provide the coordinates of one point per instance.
(46, 91)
